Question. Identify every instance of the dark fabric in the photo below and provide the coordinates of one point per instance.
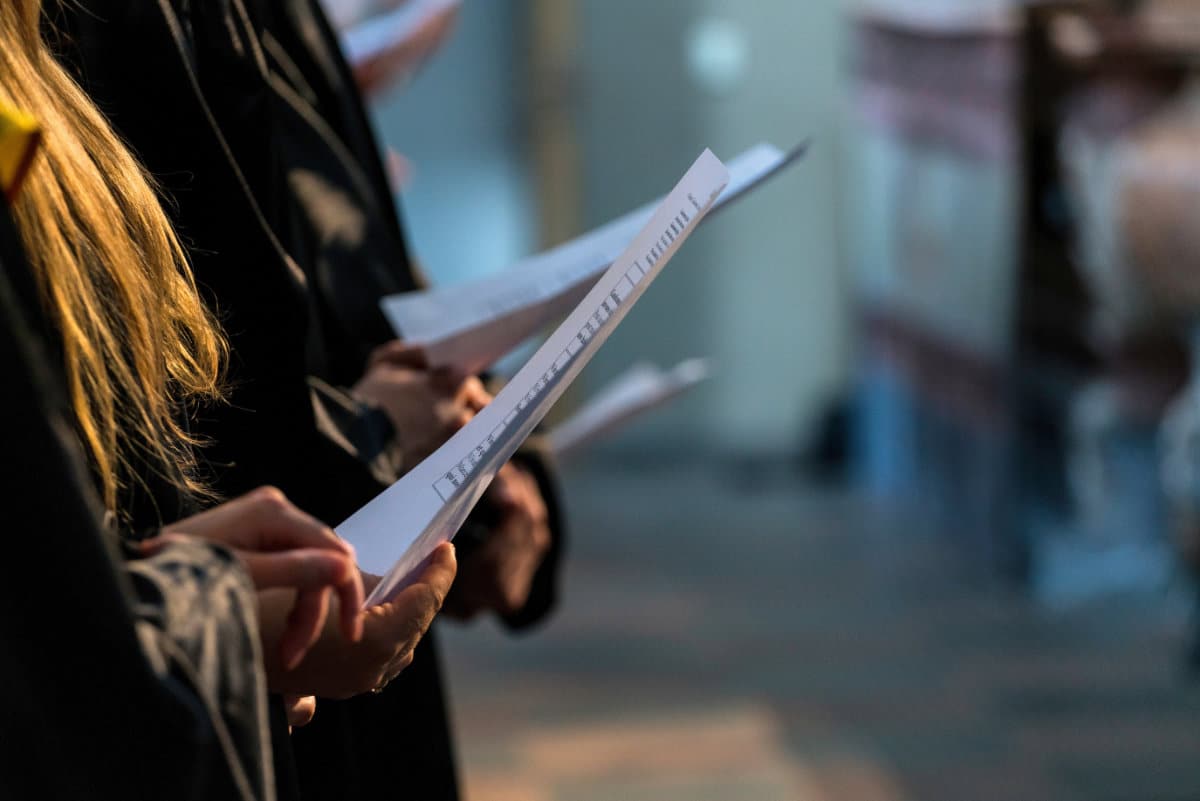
(262, 145)
(120, 680)
(287, 781)
(340, 186)
(394, 745)
(152, 67)
(375, 753)
(142, 62)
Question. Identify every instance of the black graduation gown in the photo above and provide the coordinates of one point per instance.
(120, 679)
(353, 193)
(140, 61)
(252, 124)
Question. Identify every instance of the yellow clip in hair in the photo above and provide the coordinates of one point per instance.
(20, 136)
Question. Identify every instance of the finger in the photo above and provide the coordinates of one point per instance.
(449, 380)
(542, 540)
(473, 394)
(302, 569)
(527, 492)
(452, 416)
(512, 497)
(303, 626)
(261, 520)
(400, 354)
(477, 401)
(276, 524)
(439, 573)
(351, 594)
(503, 493)
(300, 709)
(406, 618)
(156, 545)
(533, 496)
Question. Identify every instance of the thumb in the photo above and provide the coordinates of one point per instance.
(439, 571)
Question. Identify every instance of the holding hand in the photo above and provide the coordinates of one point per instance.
(499, 574)
(426, 407)
(282, 546)
(335, 668)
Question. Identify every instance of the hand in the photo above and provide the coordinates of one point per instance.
(499, 575)
(283, 547)
(300, 710)
(425, 407)
(335, 668)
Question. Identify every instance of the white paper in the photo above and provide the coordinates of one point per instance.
(377, 35)
(636, 391)
(470, 325)
(344, 14)
(395, 533)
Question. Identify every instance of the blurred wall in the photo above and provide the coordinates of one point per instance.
(759, 290)
(467, 205)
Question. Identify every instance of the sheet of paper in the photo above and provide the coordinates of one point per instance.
(638, 390)
(471, 325)
(397, 531)
(376, 35)
(344, 14)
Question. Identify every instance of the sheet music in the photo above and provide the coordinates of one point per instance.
(397, 531)
(471, 325)
(377, 34)
(640, 389)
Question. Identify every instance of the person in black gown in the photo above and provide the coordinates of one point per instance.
(134, 667)
(249, 118)
(106, 695)
(129, 672)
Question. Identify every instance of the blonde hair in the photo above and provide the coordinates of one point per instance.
(139, 346)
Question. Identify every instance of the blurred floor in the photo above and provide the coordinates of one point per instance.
(758, 640)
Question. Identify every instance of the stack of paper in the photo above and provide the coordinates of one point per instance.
(469, 326)
(395, 533)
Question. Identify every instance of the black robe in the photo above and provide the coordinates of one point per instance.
(121, 678)
(248, 118)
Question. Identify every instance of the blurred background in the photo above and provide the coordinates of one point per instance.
(930, 529)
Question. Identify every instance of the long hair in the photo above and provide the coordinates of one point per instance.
(139, 346)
